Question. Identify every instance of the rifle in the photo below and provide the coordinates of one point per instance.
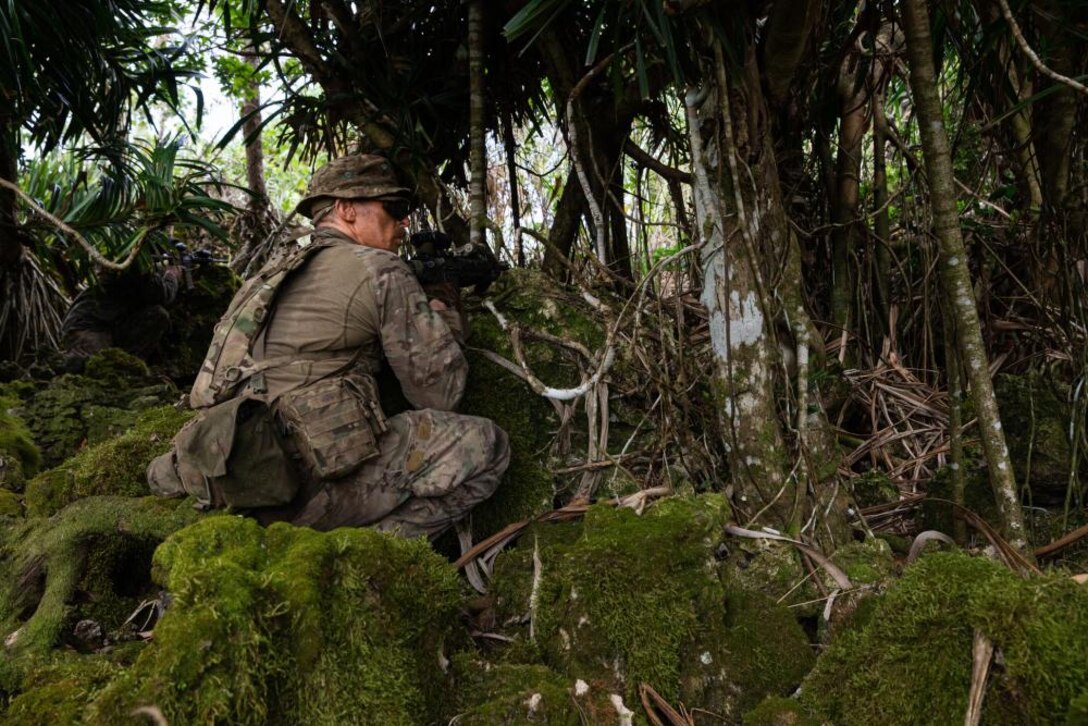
(188, 261)
(433, 261)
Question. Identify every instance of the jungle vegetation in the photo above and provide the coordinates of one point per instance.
(825, 237)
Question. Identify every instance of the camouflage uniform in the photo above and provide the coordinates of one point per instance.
(433, 466)
(126, 309)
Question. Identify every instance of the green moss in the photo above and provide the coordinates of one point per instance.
(872, 488)
(19, 457)
(865, 563)
(115, 466)
(76, 410)
(530, 299)
(115, 367)
(61, 685)
(11, 504)
(765, 652)
(493, 695)
(1078, 711)
(1035, 414)
(58, 569)
(294, 625)
(778, 711)
(606, 613)
(911, 661)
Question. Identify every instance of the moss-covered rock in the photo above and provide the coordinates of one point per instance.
(295, 626)
(778, 711)
(530, 299)
(19, 457)
(868, 562)
(622, 599)
(59, 687)
(769, 566)
(11, 504)
(911, 661)
(498, 694)
(115, 466)
(74, 411)
(1036, 415)
(91, 559)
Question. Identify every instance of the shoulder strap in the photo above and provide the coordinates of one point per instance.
(229, 362)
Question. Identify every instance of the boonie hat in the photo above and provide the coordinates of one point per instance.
(358, 176)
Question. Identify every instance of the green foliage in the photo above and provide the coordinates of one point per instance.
(237, 78)
(295, 625)
(83, 67)
(910, 662)
(114, 466)
(121, 197)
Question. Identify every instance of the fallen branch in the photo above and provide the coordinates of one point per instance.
(654, 704)
(1062, 542)
(818, 557)
(573, 510)
(982, 653)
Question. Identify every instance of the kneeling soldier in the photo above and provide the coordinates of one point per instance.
(308, 351)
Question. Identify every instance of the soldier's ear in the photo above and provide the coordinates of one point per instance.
(346, 210)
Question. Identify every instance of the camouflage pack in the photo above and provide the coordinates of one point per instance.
(229, 364)
(334, 423)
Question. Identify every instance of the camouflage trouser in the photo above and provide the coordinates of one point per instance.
(434, 467)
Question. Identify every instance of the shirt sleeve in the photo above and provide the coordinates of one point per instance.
(417, 342)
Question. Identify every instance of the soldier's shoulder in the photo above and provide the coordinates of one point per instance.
(382, 262)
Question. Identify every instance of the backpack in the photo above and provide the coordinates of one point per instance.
(229, 364)
(233, 454)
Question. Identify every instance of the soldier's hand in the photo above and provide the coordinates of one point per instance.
(444, 292)
(437, 305)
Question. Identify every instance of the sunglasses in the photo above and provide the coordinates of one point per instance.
(398, 208)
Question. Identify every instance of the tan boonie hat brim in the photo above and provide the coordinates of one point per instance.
(359, 176)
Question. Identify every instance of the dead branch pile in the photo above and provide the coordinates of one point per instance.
(907, 421)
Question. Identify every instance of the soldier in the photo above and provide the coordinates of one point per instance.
(352, 303)
(126, 309)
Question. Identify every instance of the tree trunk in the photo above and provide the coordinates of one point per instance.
(251, 130)
(510, 146)
(11, 247)
(743, 230)
(253, 227)
(597, 125)
(477, 133)
(853, 96)
(882, 227)
(955, 278)
(565, 227)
